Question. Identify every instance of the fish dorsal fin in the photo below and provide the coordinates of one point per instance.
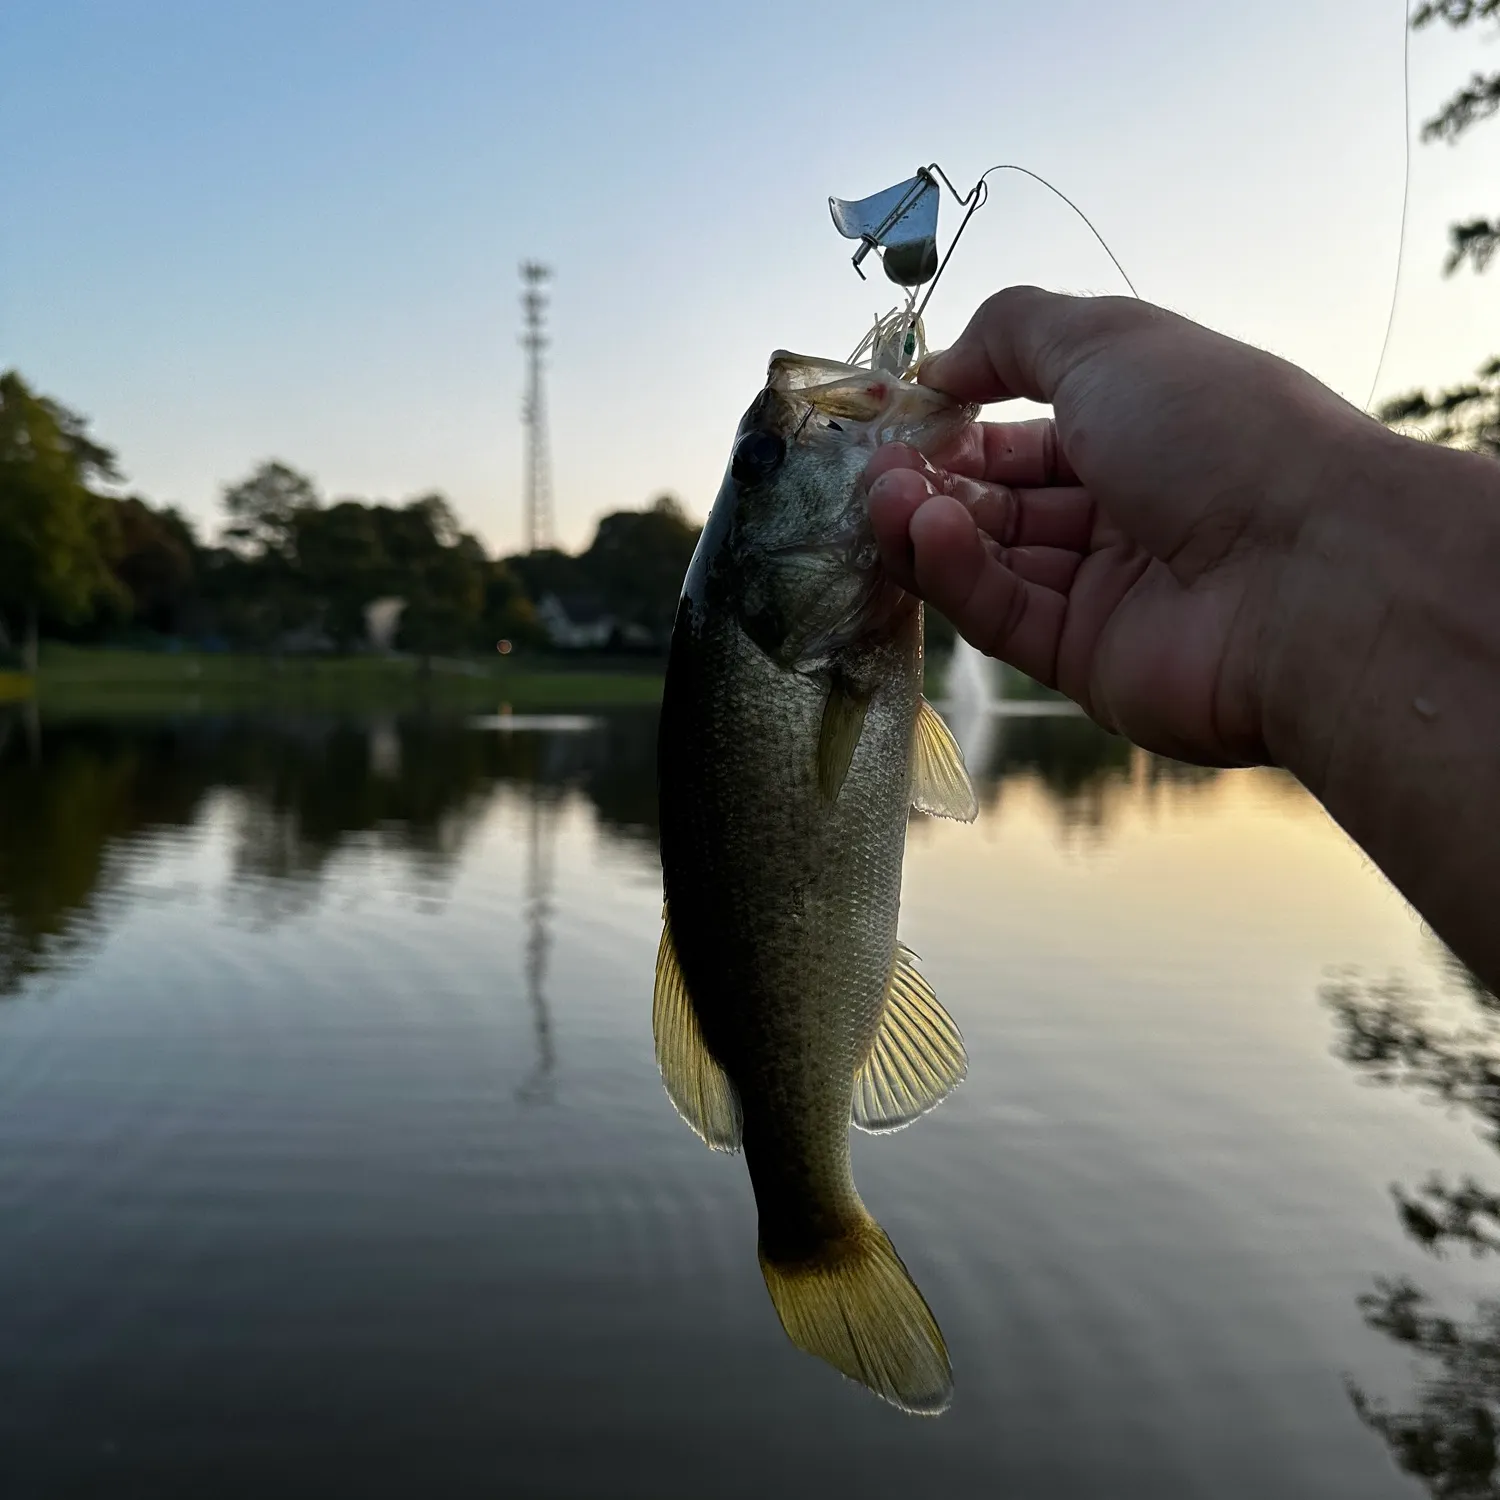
(695, 1083)
(939, 782)
(843, 722)
(918, 1058)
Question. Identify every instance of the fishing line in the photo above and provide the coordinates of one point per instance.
(980, 193)
(1390, 321)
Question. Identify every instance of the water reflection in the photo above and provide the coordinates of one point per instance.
(541, 838)
(448, 1124)
(1090, 778)
(66, 812)
(1081, 768)
(78, 799)
(1444, 1046)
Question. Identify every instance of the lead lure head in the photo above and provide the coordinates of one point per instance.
(900, 223)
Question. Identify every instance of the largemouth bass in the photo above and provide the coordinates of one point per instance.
(794, 739)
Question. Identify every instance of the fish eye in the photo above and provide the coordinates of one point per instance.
(757, 456)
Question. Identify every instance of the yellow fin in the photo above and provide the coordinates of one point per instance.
(855, 1306)
(843, 722)
(939, 782)
(695, 1083)
(918, 1058)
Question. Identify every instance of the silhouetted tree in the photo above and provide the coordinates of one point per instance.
(508, 613)
(263, 509)
(633, 569)
(637, 561)
(1467, 415)
(155, 560)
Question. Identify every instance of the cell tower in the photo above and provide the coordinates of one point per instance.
(538, 494)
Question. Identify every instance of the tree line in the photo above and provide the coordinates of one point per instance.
(290, 569)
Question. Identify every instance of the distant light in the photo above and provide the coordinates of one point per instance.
(503, 647)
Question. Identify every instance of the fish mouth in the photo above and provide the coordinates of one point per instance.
(877, 406)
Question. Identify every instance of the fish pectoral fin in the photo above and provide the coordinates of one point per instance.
(855, 1305)
(843, 722)
(696, 1084)
(918, 1058)
(939, 782)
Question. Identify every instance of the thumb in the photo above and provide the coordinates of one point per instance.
(1024, 341)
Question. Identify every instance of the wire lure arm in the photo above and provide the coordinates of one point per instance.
(900, 224)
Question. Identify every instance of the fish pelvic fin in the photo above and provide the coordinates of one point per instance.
(854, 1305)
(917, 1058)
(939, 782)
(695, 1083)
(843, 723)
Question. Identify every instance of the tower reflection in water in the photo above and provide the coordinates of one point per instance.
(537, 909)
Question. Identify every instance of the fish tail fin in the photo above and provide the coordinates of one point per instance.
(854, 1304)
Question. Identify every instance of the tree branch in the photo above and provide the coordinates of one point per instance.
(1477, 241)
(1469, 106)
(1454, 12)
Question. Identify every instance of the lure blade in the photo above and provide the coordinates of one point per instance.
(901, 221)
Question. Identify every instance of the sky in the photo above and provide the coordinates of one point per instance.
(234, 232)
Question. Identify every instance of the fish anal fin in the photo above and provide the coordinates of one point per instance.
(918, 1056)
(854, 1305)
(939, 782)
(696, 1084)
(843, 722)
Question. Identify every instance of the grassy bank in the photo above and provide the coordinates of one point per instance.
(84, 679)
(77, 679)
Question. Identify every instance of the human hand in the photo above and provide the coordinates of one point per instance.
(1142, 551)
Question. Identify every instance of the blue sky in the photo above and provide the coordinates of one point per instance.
(233, 232)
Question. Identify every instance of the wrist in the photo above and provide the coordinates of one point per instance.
(1384, 611)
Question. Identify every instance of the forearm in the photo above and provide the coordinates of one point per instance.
(1382, 692)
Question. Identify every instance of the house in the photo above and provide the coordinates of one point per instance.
(577, 622)
(382, 620)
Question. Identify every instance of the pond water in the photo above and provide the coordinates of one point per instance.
(333, 1157)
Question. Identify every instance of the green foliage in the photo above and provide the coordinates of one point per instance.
(632, 570)
(56, 534)
(637, 562)
(1454, 12)
(298, 567)
(341, 560)
(443, 583)
(1475, 242)
(156, 562)
(1465, 416)
(264, 509)
(508, 613)
(292, 573)
(1476, 101)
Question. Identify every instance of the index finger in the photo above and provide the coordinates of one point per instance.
(1027, 454)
